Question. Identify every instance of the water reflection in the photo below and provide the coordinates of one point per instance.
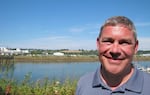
(54, 71)
(7, 69)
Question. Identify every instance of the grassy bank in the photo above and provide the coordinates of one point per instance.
(55, 58)
(142, 58)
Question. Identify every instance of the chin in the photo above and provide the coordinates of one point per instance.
(113, 68)
(115, 72)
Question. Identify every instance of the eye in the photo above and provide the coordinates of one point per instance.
(125, 42)
(107, 40)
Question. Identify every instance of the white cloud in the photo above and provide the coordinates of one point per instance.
(76, 29)
(84, 28)
(143, 24)
(57, 42)
(144, 43)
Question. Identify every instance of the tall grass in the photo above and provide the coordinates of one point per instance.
(39, 87)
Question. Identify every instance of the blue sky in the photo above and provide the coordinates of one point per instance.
(66, 24)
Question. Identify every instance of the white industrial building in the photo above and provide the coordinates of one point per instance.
(6, 51)
(58, 54)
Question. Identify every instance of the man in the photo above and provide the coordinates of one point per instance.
(117, 43)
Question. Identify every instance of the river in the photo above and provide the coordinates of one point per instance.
(53, 71)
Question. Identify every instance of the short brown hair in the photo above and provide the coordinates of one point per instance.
(119, 20)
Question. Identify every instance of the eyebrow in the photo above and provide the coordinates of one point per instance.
(106, 38)
(126, 40)
(111, 39)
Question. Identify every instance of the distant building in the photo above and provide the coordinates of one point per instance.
(72, 51)
(5, 51)
(145, 54)
(58, 54)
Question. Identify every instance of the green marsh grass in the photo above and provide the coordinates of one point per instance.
(40, 87)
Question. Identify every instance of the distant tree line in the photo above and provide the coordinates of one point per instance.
(50, 52)
(143, 52)
(82, 51)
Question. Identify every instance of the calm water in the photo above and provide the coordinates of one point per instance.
(53, 70)
(58, 71)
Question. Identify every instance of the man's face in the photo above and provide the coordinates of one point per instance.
(116, 47)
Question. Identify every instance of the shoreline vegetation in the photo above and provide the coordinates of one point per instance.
(55, 59)
(60, 59)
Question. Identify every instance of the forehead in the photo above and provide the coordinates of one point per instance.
(117, 31)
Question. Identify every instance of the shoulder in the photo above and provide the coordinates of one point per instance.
(146, 76)
(87, 78)
(146, 83)
(85, 84)
(143, 74)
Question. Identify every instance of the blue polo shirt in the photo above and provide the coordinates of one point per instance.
(92, 84)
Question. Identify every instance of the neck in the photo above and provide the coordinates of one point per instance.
(116, 80)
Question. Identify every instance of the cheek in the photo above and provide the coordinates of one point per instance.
(129, 51)
(103, 48)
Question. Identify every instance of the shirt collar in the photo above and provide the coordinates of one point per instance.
(134, 84)
(97, 81)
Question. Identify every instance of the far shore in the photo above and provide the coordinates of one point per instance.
(65, 58)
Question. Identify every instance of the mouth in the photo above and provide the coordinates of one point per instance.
(114, 57)
(114, 61)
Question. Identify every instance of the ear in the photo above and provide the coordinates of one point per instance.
(136, 47)
(97, 43)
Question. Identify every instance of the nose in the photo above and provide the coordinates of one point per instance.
(115, 47)
(115, 51)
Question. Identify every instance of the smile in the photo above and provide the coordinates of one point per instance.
(114, 58)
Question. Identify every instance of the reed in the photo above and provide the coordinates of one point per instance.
(39, 87)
